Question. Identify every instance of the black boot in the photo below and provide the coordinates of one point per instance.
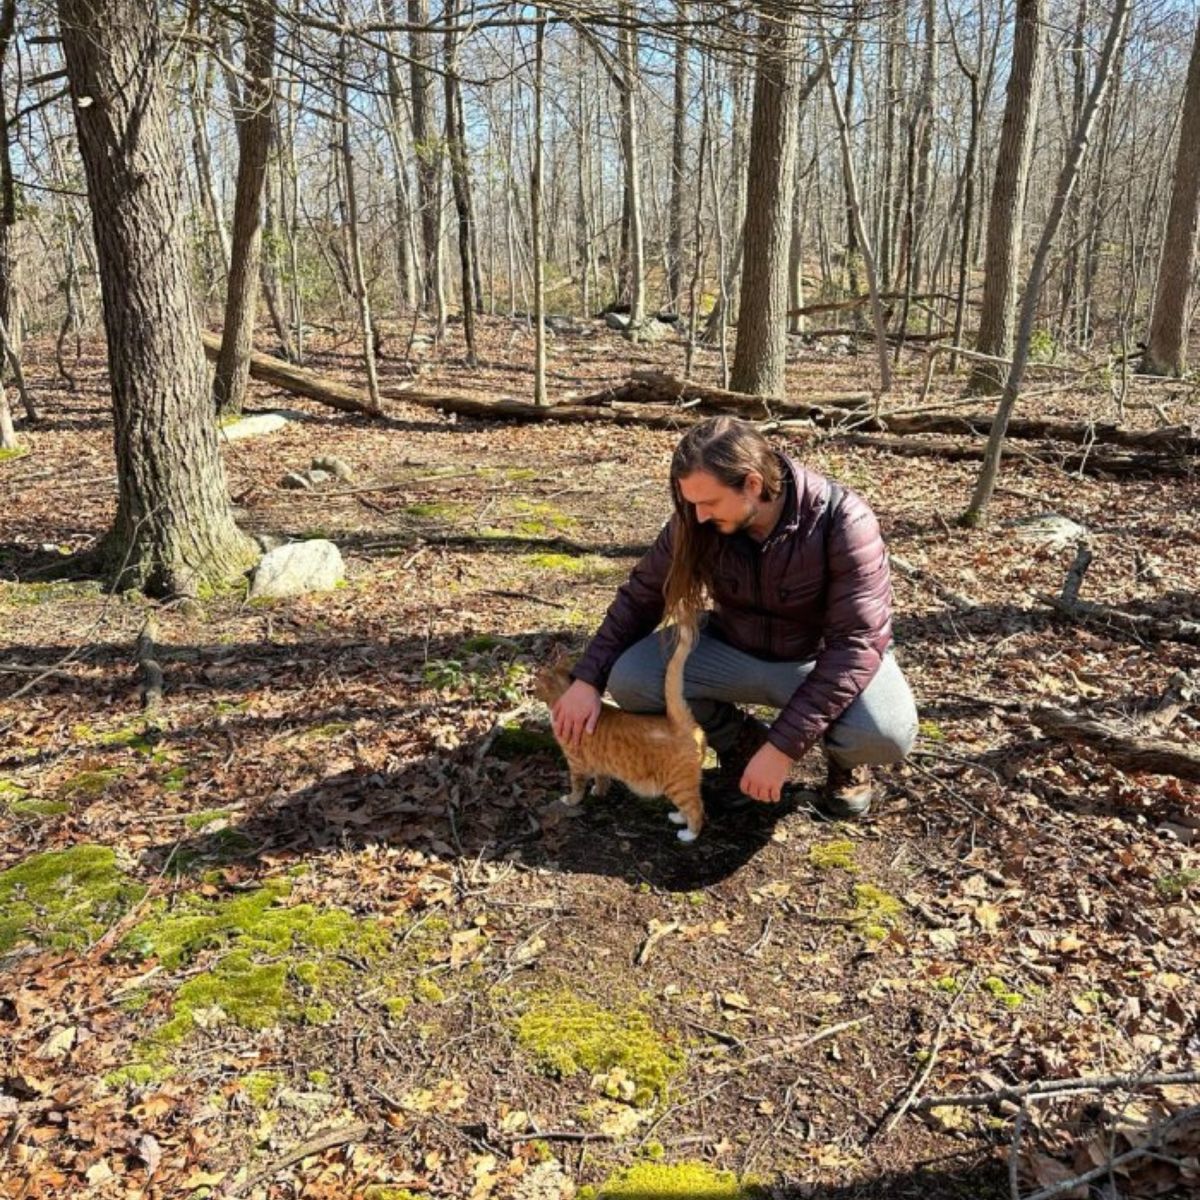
(722, 785)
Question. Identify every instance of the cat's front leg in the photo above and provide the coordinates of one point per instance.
(578, 786)
(600, 785)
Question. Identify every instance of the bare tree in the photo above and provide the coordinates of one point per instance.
(1065, 185)
(255, 114)
(761, 353)
(1166, 344)
(1006, 212)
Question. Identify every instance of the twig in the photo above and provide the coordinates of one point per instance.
(1014, 1154)
(1156, 1137)
(150, 671)
(927, 1069)
(1053, 1087)
(317, 1145)
(657, 931)
(1074, 579)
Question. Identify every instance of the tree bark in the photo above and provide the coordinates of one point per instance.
(1166, 344)
(634, 236)
(761, 354)
(173, 528)
(428, 155)
(255, 116)
(1006, 212)
(679, 183)
(456, 149)
(536, 217)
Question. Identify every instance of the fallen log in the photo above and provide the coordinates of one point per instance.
(1090, 463)
(298, 380)
(1136, 754)
(652, 416)
(1153, 629)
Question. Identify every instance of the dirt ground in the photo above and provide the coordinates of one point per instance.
(1013, 910)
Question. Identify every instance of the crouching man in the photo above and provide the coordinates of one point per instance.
(794, 572)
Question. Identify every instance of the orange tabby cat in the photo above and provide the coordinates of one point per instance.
(650, 755)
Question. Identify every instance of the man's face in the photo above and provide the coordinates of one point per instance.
(729, 509)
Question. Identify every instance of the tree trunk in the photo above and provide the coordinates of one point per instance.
(173, 528)
(679, 183)
(1067, 177)
(8, 198)
(627, 51)
(761, 353)
(1166, 345)
(395, 96)
(456, 148)
(203, 156)
(536, 217)
(1006, 213)
(428, 156)
(358, 274)
(255, 120)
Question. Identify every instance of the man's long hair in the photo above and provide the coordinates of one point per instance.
(728, 449)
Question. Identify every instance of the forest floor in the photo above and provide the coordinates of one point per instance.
(322, 928)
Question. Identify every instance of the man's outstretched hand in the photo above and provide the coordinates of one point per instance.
(765, 774)
(575, 712)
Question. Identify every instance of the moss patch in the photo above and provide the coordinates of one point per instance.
(434, 511)
(385, 1191)
(90, 784)
(39, 808)
(25, 595)
(1003, 993)
(298, 944)
(1170, 886)
(829, 856)
(64, 897)
(875, 911)
(660, 1181)
(565, 1034)
(261, 1086)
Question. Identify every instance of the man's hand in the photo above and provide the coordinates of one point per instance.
(575, 712)
(765, 774)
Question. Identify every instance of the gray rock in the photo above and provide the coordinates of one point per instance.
(255, 426)
(335, 466)
(316, 476)
(1050, 529)
(617, 321)
(297, 568)
(297, 481)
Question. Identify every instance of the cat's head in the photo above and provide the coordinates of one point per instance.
(553, 679)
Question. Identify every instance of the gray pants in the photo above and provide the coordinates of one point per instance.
(878, 727)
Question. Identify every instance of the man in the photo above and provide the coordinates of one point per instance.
(796, 572)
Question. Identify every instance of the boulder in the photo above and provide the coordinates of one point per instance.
(1050, 529)
(255, 426)
(298, 568)
(335, 466)
(297, 481)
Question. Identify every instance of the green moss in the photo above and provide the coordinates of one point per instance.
(174, 779)
(1170, 886)
(535, 518)
(564, 1033)
(220, 846)
(948, 983)
(205, 817)
(39, 808)
(520, 741)
(931, 731)
(26, 595)
(319, 1078)
(385, 1191)
(90, 784)
(249, 928)
(397, 1006)
(64, 897)
(1002, 992)
(428, 991)
(696, 899)
(875, 911)
(13, 453)
(434, 510)
(261, 1086)
(661, 1181)
(11, 790)
(829, 856)
(571, 563)
(520, 474)
(134, 1075)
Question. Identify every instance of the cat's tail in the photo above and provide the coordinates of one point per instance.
(678, 712)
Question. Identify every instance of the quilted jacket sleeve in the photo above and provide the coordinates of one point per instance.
(635, 612)
(856, 632)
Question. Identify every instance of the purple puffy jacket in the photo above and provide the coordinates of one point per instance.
(817, 589)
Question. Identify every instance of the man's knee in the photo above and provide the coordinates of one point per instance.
(635, 686)
(873, 747)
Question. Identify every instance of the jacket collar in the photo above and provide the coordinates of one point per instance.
(803, 504)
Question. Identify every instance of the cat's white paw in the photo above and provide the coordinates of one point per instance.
(570, 801)
(686, 835)
(676, 818)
